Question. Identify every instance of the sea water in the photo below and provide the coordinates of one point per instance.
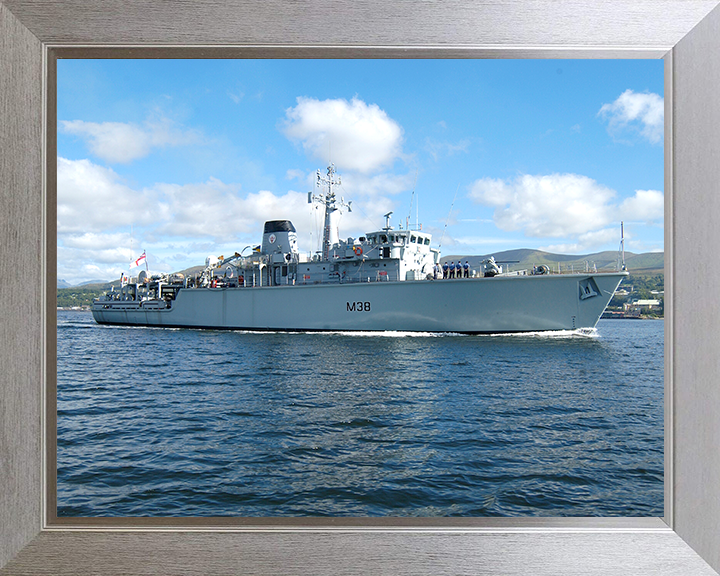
(180, 422)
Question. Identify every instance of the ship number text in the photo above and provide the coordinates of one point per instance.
(358, 306)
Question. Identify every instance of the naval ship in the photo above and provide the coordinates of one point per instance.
(387, 280)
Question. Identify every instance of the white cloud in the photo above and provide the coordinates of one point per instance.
(80, 264)
(640, 111)
(96, 212)
(293, 174)
(95, 241)
(354, 135)
(102, 222)
(218, 212)
(437, 148)
(646, 205)
(567, 206)
(356, 186)
(490, 191)
(92, 198)
(123, 142)
(484, 240)
(554, 205)
(586, 242)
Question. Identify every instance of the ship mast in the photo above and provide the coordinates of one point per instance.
(327, 199)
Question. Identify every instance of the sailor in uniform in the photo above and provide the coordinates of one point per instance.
(452, 269)
(445, 270)
(458, 269)
(466, 269)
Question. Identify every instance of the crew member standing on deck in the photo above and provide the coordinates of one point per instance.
(452, 269)
(445, 270)
(458, 269)
(466, 269)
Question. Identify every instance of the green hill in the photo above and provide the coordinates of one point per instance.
(648, 263)
(83, 294)
(80, 296)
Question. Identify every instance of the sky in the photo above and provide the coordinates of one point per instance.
(182, 159)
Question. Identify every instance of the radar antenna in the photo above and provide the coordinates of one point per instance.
(387, 221)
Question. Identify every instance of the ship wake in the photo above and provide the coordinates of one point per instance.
(556, 334)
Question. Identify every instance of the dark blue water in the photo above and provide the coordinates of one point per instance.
(170, 422)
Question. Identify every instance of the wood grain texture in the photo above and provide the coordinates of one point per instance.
(340, 52)
(669, 280)
(334, 524)
(696, 110)
(375, 22)
(393, 553)
(517, 23)
(20, 318)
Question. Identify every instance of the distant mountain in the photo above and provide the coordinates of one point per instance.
(191, 271)
(106, 284)
(99, 285)
(646, 263)
(62, 284)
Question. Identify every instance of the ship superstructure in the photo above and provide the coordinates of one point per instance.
(387, 279)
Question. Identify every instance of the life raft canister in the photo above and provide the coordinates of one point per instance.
(357, 250)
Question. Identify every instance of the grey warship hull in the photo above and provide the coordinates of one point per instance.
(473, 305)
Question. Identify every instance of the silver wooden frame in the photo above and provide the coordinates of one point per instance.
(33, 34)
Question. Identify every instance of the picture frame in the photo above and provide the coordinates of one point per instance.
(33, 541)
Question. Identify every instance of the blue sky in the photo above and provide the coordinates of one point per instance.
(187, 158)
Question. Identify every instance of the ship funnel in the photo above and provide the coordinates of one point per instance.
(279, 235)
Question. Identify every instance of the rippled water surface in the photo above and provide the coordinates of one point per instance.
(176, 422)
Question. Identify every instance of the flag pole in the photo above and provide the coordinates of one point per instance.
(131, 244)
